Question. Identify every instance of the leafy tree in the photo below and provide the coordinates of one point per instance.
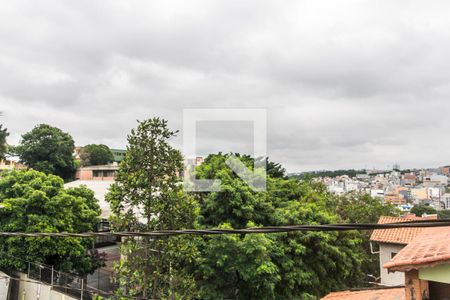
(362, 208)
(49, 150)
(271, 266)
(3, 146)
(31, 201)
(147, 196)
(444, 214)
(93, 155)
(419, 210)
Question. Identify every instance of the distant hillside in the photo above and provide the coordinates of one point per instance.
(327, 173)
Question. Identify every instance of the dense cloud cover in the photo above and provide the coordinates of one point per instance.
(346, 84)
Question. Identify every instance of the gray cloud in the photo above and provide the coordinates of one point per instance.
(348, 84)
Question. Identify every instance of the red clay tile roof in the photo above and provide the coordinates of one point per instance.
(398, 235)
(430, 248)
(375, 294)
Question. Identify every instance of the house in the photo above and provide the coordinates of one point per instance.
(392, 241)
(394, 197)
(445, 170)
(435, 180)
(425, 262)
(119, 154)
(377, 193)
(419, 194)
(9, 164)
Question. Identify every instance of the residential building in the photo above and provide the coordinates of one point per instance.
(102, 172)
(9, 164)
(394, 197)
(119, 154)
(446, 200)
(445, 170)
(435, 180)
(391, 241)
(425, 262)
(377, 193)
(419, 194)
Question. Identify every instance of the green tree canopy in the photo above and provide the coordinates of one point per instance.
(147, 196)
(362, 208)
(93, 155)
(271, 266)
(419, 210)
(3, 146)
(49, 150)
(31, 201)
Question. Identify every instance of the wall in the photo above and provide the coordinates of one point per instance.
(34, 290)
(439, 273)
(83, 174)
(393, 278)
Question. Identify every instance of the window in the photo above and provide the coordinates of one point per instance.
(393, 254)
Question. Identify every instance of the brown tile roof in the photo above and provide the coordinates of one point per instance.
(398, 235)
(430, 248)
(375, 294)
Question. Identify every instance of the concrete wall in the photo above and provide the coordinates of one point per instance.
(386, 252)
(38, 291)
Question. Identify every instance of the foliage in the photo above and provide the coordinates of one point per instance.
(49, 150)
(419, 210)
(3, 146)
(93, 155)
(362, 208)
(147, 196)
(31, 201)
(271, 266)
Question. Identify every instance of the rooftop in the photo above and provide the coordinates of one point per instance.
(398, 235)
(373, 294)
(430, 248)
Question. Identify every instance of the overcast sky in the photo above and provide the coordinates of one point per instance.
(346, 84)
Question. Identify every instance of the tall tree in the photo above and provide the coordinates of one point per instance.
(148, 196)
(362, 208)
(419, 210)
(3, 146)
(48, 149)
(270, 266)
(31, 201)
(93, 155)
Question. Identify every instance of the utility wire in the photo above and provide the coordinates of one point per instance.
(266, 229)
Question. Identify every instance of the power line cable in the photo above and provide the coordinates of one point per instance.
(255, 230)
